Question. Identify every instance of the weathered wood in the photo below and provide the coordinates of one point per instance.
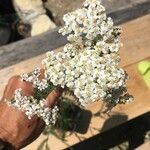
(131, 11)
(27, 48)
(135, 38)
(136, 85)
(31, 47)
(57, 9)
(139, 106)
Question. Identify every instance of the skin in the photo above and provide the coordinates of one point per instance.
(15, 127)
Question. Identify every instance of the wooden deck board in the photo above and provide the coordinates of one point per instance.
(136, 40)
(136, 47)
(140, 105)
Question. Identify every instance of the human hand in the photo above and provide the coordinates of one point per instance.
(15, 127)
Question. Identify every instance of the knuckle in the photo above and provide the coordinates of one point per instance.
(13, 79)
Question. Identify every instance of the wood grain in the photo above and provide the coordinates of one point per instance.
(140, 105)
(136, 40)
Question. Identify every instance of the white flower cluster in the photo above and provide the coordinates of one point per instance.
(33, 78)
(89, 63)
(31, 107)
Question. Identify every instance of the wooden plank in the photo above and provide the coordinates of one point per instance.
(139, 106)
(31, 47)
(131, 11)
(135, 37)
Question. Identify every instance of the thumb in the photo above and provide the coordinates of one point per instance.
(53, 97)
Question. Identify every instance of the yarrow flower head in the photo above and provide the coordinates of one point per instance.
(31, 107)
(88, 65)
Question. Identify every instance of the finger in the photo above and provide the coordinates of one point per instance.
(8, 89)
(15, 83)
(53, 97)
(42, 71)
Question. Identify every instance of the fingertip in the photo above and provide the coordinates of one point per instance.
(13, 79)
(53, 97)
(14, 83)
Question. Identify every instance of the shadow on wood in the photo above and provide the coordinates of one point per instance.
(132, 133)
